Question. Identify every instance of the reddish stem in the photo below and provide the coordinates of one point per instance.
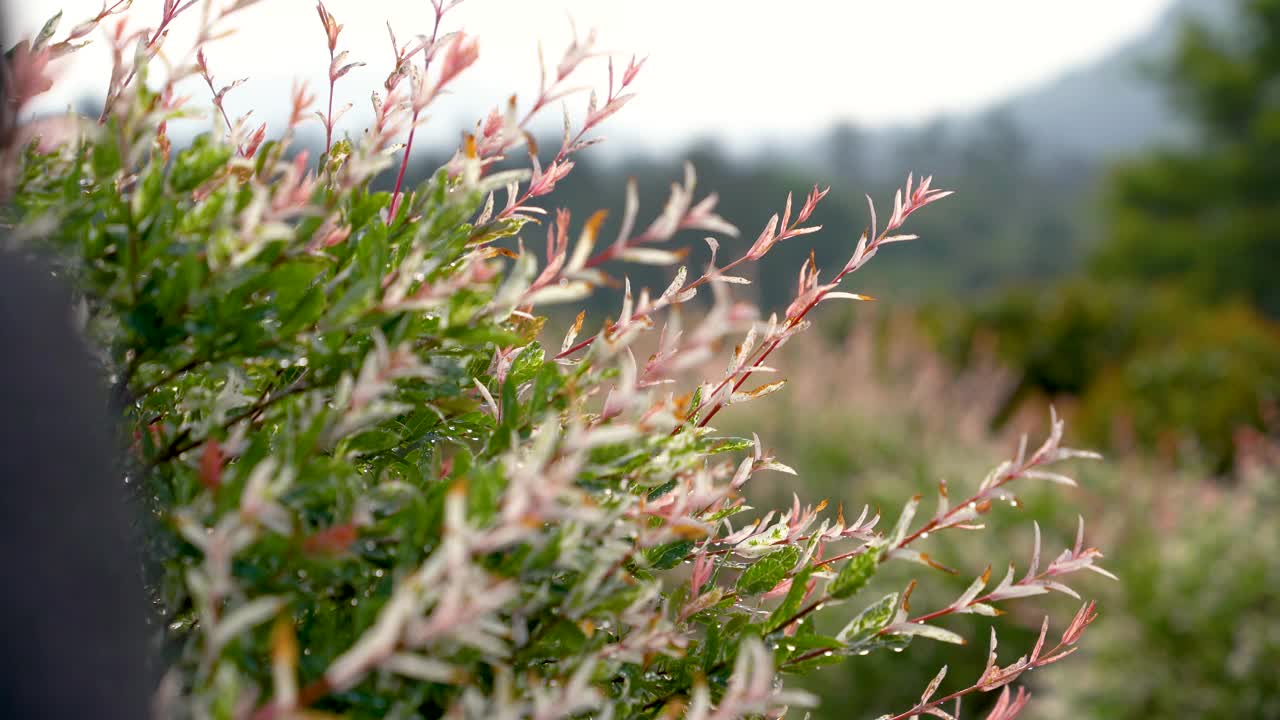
(977, 497)
(328, 125)
(811, 607)
(165, 19)
(429, 50)
(615, 249)
(764, 355)
(845, 556)
(564, 149)
(404, 165)
(640, 315)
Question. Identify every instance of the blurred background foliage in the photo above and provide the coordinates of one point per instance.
(1144, 304)
(1192, 629)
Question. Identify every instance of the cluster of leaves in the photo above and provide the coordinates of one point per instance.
(377, 493)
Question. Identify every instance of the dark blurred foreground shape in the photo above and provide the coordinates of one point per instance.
(72, 631)
(71, 609)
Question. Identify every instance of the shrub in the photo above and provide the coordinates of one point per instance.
(1199, 594)
(1151, 368)
(1201, 215)
(377, 493)
(1193, 391)
(1191, 632)
(901, 419)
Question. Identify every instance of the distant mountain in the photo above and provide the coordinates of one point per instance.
(1113, 105)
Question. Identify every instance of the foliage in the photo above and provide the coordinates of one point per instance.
(1193, 394)
(1021, 217)
(1151, 368)
(1200, 596)
(376, 492)
(1205, 217)
(1169, 341)
(1190, 631)
(900, 420)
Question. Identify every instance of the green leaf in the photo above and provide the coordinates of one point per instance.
(818, 650)
(695, 404)
(661, 490)
(106, 154)
(665, 557)
(366, 207)
(199, 217)
(356, 300)
(768, 571)
(791, 603)
(147, 194)
(854, 575)
(373, 441)
(560, 639)
(291, 281)
(526, 365)
(198, 163)
(731, 445)
(484, 491)
(870, 621)
(619, 600)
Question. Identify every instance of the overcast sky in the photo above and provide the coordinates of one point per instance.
(731, 67)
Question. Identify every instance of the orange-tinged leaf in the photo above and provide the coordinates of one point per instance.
(284, 642)
(331, 541)
(211, 461)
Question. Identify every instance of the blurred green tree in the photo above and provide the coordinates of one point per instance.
(1206, 216)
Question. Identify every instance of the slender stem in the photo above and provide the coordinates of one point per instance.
(978, 497)
(923, 709)
(564, 152)
(428, 51)
(845, 556)
(802, 614)
(764, 355)
(166, 18)
(943, 612)
(816, 604)
(328, 125)
(616, 249)
(208, 79)
(642, 314)
(404, 165)
(807, 656)
(528, 193)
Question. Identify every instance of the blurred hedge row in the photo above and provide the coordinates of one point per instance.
(1142, 368)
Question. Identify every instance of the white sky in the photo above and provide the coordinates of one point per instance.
(735, 68)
